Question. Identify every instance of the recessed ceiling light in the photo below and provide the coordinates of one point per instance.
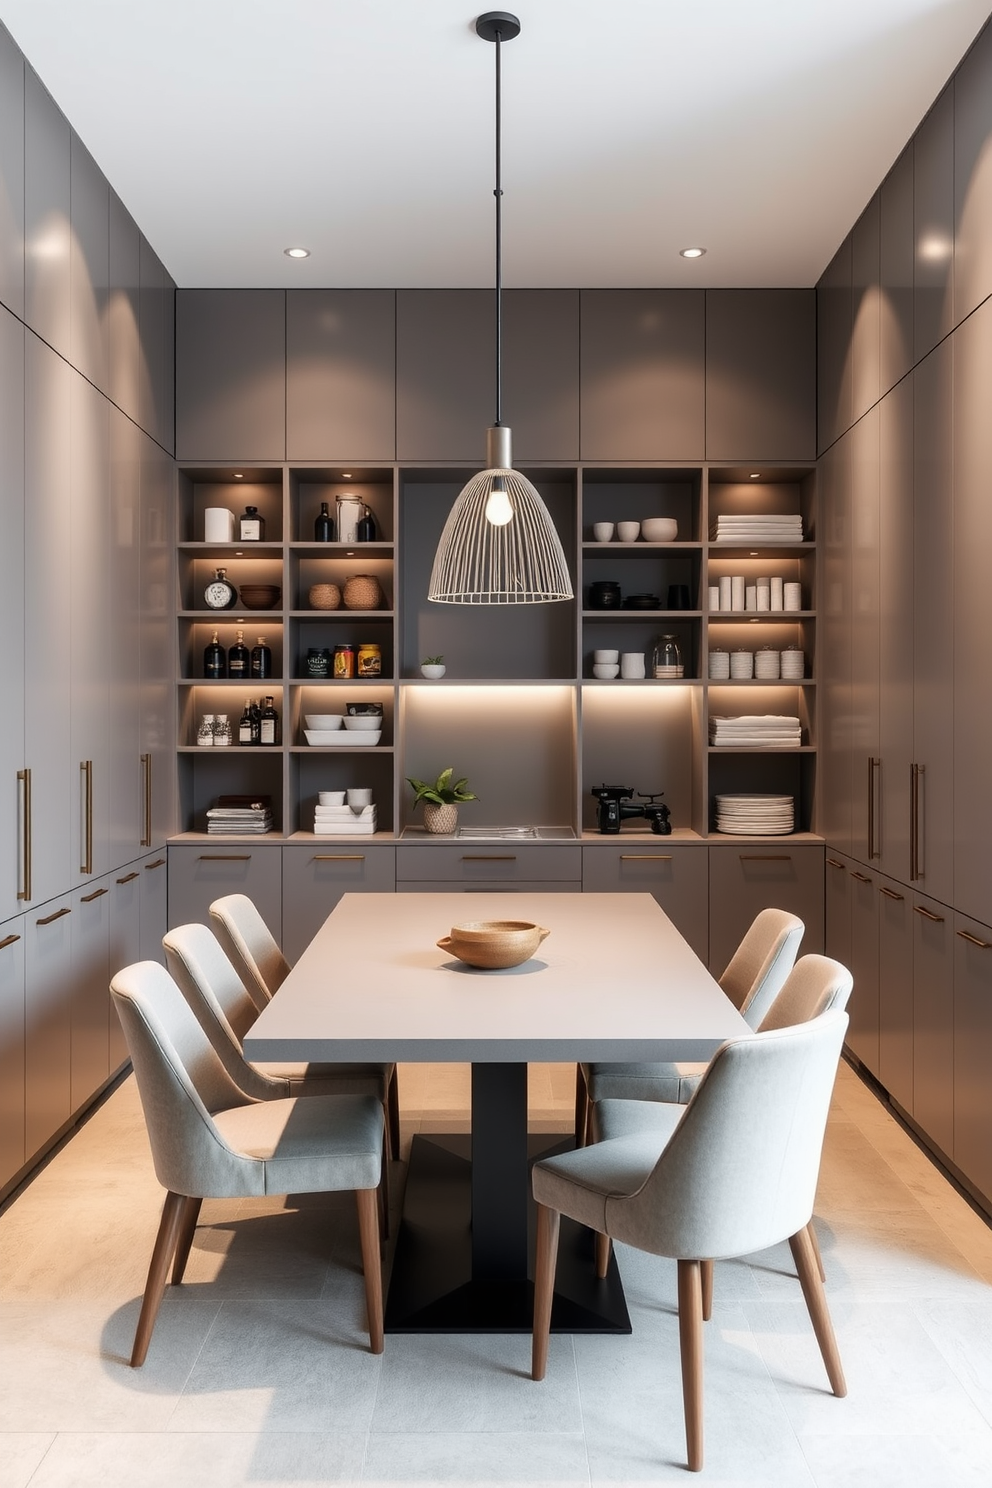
(347, 475)
(755, 475)
(691, 252)
(297, 252)
(238, 475)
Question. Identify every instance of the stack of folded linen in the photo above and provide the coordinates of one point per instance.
(343, 821)
(237, 816)
(770, 527)
(761, 731)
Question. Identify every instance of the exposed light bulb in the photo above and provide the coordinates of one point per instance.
(498, 508)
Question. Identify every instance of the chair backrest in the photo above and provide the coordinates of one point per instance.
(814, 986)
(740, 1171)
(762, 962)
(250, 946)
(181, 1081)
(219, 1001)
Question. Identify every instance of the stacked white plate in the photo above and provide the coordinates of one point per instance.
(753, 815)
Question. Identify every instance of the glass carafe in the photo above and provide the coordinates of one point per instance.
(667, 660)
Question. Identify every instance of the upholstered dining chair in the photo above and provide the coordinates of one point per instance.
(732, 1172)
(255, 955)
(210, 1140)
(752, 980)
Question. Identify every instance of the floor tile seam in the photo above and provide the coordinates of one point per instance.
(41, 1460)
(948, 1356)
(181, 1392)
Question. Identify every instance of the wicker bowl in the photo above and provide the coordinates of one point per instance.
(362, 592)
(492, 944)
(324, 596)
(260, 596)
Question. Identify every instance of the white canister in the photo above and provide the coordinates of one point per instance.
(764, 588)
(793, 663)
(792, 598)
(350, 511)
(767, 664)
(737, 592)
(632, 665)
(777, 593)
(726, 594)
(218, 524)
(719, 665)
(750, 597)
(713, 598)
(741, 665)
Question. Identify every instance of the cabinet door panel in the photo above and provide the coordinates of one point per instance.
(541, 372)
(896, 612)
(490, 863)
(837, 886)
(47, 1022)
(89, 264)
(866, 328)
(445, 379)
(862, 1034)
(933, 1022)
(973, 1052)
(199, 875)
(836, 749)
(341, 374)
(933, 225)
(11, 607)
(760, 374)
(154, 910)
(123, 351)
(124, 947)
(896, 271)
(747, 879)
(122, 661)
(895, 992)
(973, 178)
(46, 213)
(89, 931)
(643, 374)
(834, 321)
(314, 879)
(231, 374)
(864, 625)
(156, 329)
(11, 1049)
(11, 175)
(677, 877)
(157, 730)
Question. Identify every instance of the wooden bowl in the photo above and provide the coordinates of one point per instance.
(260, 596)
(492, 944)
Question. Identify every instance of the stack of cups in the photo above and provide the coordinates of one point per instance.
(719, 665)
(792, 598)
(793, 663)
(767, 664)
(741, 665)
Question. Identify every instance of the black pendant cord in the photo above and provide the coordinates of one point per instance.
(499, 239)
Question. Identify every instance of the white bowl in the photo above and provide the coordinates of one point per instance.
(331, 798)
(363, 723)
(325, 721)
(659, 529)
(338, 736)
(605, 656)
(628, 531)
(602, 531)
(606, 670)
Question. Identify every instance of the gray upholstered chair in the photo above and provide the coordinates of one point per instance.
(252, 950)
(751, 980)
(732, 1172)
(210, 1140)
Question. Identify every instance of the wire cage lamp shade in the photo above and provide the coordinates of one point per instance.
(499, 545)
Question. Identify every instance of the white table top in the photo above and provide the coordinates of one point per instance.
(613, 981)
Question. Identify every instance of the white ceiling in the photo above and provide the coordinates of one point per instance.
(363, 129)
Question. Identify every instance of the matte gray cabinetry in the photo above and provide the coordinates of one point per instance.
(123, 339)
(862, 1034)
(47, 294)
(157, 329)
(231, 374)
(933, 1021)
(89, 264)
(492, 864)
(749, 877)
(47, 1021)
(643, 374)
(896, 612)
(153, 919)
(760, 374)
(89, 939)
(834, 320)
(156, 757)
(199, 875)
(973, 179)
(124, 946)
(341, 374)
(973, 1051)
(541, 373)
(677, 875)
(865, 309)
(120, 659)
(12, 758)
(896, 244)
(11, 175)
(315, 877)
(895, 992)
(11, 1044)
(836, 754)
(933, 225)
(445, 379)
(864, 636)
(837, 907)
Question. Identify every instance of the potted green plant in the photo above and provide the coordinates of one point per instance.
(441, 800)
(433, 667)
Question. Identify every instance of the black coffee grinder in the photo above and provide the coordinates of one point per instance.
(616, 805)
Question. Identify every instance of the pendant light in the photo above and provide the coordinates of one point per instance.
(499, 545)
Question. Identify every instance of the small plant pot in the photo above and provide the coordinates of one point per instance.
(433, 670)
(440, 819)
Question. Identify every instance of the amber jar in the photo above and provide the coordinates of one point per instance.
(369, 660)
(344, 661)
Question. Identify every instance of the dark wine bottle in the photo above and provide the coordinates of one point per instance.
(251, 527)
(269, 724)
(214, 660)
(365, 531)
(244, 727)
(261, 660)
(238, 658)
(255, 721)
(323, 528)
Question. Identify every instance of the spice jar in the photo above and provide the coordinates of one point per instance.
(369, 660)
(318, 662)
(344, 661)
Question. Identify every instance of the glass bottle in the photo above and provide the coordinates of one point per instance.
(323, 527)
(244, 727)
(251, 527)
(269, 723)
(222, 730)
(237, 659)
(261, 660)
(255, 722)
(365, 531)
(214, 660)
(205, 733)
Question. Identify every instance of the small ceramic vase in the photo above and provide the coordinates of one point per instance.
(440, 818)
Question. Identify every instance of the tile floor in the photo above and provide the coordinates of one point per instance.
(258, 1371)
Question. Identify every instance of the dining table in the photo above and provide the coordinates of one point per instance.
(613, 980)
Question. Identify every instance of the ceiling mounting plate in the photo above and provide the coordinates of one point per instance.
(497, 23)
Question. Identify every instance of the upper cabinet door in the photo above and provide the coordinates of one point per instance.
(445, 373)
(46, 211)
(760, 374)
(231, 374)
(541, 372)
(973, 178)
(865, 309)
(642, 374)
(341, 374)
(89, 265)
(11, 608)
(933, 226)
(896, 271)
(834, 301)
(123, 348)
(156, 328)
(11, 175)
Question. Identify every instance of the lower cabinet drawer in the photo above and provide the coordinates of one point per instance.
(754, 876)
(442, 886)
(676, 874)
(201, 873)
(491, 865)
(314, 879)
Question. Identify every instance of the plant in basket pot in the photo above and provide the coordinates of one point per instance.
(441, 799)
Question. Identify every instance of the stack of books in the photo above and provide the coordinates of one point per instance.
(756, 731)
(343, 821)
(235, 816)
(768, 527)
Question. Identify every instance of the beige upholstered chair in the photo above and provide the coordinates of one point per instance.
(732, 1172)
(751, 980)
(252, 950)
(210, 1140)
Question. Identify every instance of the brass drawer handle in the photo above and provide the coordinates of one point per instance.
(127, 878)
(86, 770)
(146, 770)
(24, 776)
(645, 857)
(890, 893)
(223, 858)
(56, 916)
(983, 945)
(834, 863)
(937, 919)
(766, 857)
(96, 894)
(489, 857)
(861, 877)
(158, 863)
(338, 858)
(8, 940)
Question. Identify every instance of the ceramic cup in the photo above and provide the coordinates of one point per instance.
(359, 796)
(331, 798)
(604, 657)
(632, 664)
(628, 531)
(605, 670)
(602, 531)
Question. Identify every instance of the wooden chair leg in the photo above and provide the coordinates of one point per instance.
(393, 1116)
(545, 1263)
(604, 1249)
(816, 1250)
(187, 1229)
(162, 1252)
(581, 1108)
(816, 1302)
(691, 1349)
(706, 1275)
(368, 1229)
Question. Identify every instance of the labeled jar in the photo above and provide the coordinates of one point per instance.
(344, 661)
(318, 662)
(368, 662)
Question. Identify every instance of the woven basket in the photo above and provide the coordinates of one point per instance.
(492, 944)
(362, 592)
(324, 597)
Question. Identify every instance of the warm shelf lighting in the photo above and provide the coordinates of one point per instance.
(691, 252)
(297, 252)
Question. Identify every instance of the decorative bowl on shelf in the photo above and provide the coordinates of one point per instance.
(493, 944)
(324, 721)
(363, 723)
(642, 602)
(659, 529)
(362, 592)
(327, 737)
(259, 596)
(324, 596)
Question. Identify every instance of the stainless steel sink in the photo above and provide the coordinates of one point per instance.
(516, 834)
